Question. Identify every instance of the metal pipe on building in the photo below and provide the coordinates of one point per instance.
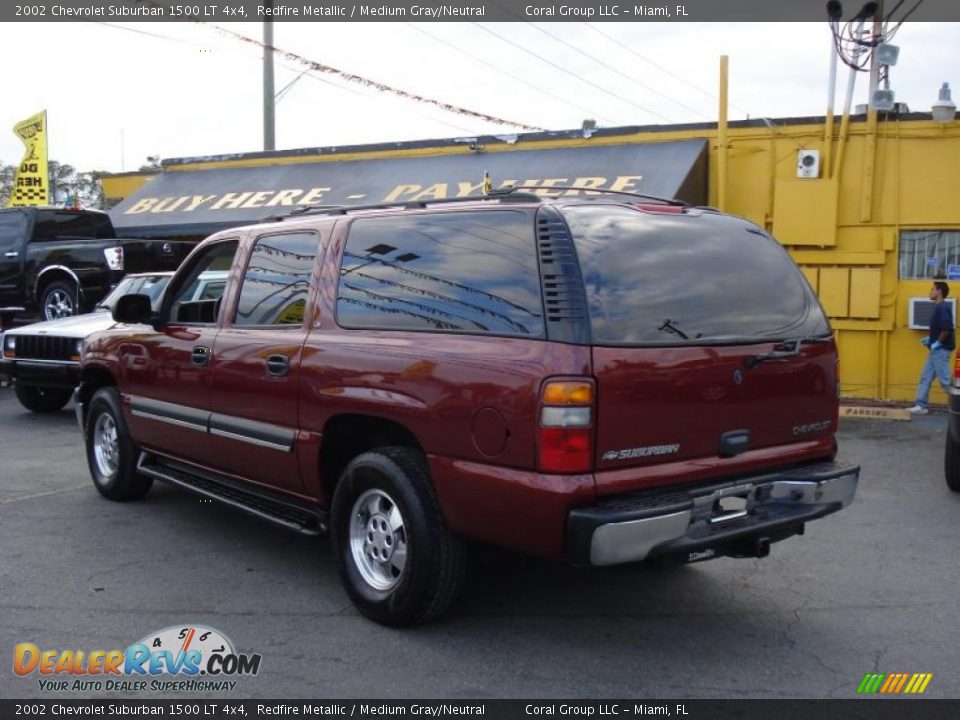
(722, 134)
(847, 105)
(874, 65)
(870, 152)
(828, 125)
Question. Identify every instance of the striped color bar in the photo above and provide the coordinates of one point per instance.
(894, 683)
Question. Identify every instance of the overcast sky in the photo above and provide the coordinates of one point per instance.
(118, 93)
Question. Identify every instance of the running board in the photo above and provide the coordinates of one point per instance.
(274, 508)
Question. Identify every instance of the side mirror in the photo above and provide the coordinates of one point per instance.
(133, 309)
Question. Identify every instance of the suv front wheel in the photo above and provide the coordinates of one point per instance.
(38, 399)
(399, 562)
(111, 452)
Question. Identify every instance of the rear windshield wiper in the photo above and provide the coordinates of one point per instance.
(670, 326)
(783, 349)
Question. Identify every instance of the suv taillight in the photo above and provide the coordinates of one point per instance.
(565, 432)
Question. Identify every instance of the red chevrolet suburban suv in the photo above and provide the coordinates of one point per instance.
(601, 379)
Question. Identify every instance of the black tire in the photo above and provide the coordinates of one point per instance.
(435, 561)
(112, 460)
(951, 463)
(59, 299)
(39, 399)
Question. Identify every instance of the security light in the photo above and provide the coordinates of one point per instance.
(944, 109)
(887, 54)
(883, 100)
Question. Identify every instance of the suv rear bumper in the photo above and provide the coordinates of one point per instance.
(691, 525)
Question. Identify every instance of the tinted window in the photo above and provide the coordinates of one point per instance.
(472, 272)
(275, 286)
(57, 224)
(152, 286)
(211, 289)
(102, 227)
(13, 226)
(676, 278)
(184, 305)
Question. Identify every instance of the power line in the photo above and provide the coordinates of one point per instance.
(351, 77)
(114, 26)
(618, 72)
(282, 92)
(570, 73)
(659, 67)
(382, 87)
(904, 18)
(895, 8)
(366, 96)
(510, 75)
(606, 65)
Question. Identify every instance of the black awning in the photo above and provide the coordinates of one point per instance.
(198, 202)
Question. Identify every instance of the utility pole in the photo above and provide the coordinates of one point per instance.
(269, 108)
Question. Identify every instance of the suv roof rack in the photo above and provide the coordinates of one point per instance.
(403, 205)
(656, 198)
(514, 193)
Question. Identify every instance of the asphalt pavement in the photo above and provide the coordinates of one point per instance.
(873, 588)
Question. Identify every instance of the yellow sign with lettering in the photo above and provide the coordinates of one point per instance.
(401, 193)
(31, 186)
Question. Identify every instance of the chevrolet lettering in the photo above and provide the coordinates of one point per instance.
(812, 427)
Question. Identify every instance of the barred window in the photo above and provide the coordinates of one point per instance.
(929, 254)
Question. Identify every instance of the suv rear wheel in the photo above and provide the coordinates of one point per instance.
(951, 463)
(42, 399)
(111, 452)
(399, 562)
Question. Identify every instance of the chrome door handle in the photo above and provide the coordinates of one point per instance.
(200, 356)
(11, 254)
(278, 365)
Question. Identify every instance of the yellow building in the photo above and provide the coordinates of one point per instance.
(870, 216)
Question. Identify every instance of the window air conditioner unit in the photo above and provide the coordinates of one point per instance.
(921, 310)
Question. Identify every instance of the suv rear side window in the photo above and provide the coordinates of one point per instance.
(672, 279)
(275, 286)
(464, 272)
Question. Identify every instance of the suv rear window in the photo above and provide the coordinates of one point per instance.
(466, 272)
(697, 278)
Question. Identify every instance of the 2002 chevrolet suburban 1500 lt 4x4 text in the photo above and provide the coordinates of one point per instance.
(601, 379)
